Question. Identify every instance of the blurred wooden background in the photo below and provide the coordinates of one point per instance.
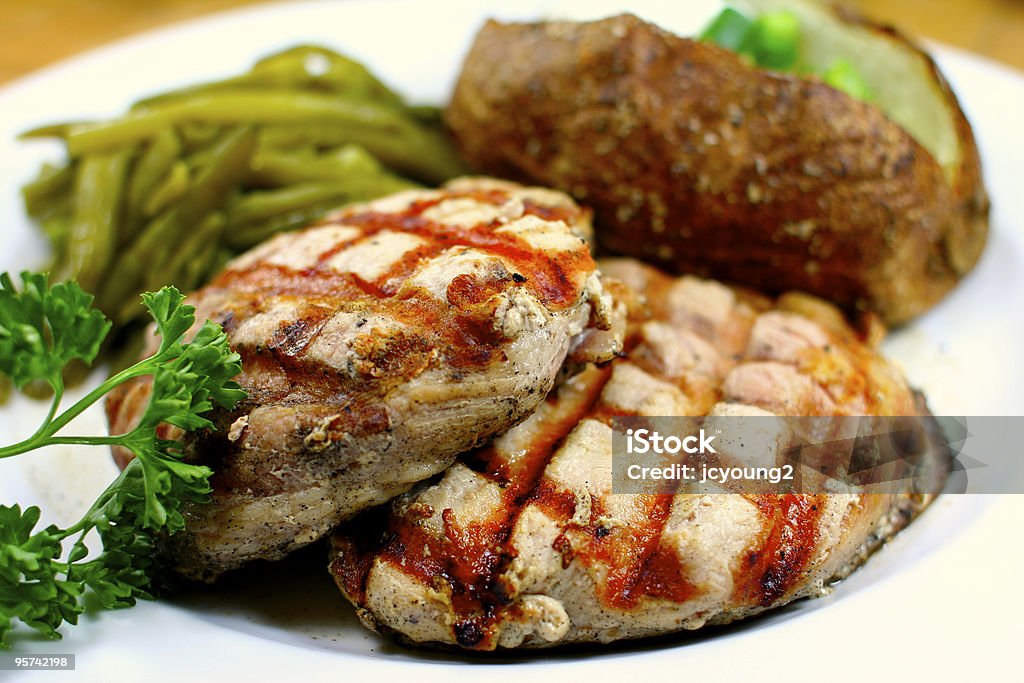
(35, 33)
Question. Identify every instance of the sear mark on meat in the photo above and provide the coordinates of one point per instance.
(376, 346)
(522, 543)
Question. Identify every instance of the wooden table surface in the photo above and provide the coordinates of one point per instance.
(35, 33)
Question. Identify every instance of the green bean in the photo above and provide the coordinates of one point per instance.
(51, 186)
(285, 76)
(199, 135)
(189, 262)
(51, 130)
(258, 206)
(221, 256)
(126, 280)
(151, 250)
(424, 155)
(300, 68)
(92, 237)
(231, 107)
(234, 83)
(426, 114)
(153, 165)
(396, 139)
(76, 372)
(168, 191)
(57, 227)
(351, 175)
(214, 183)
(38, 389)
(322, 69)
(48, 200)
(199, 159)
(247, 236)
(371, 185)
(186, 178)
(273, 167)
(199, 269)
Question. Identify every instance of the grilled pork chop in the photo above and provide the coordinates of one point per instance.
(522, 543)
(376, 346)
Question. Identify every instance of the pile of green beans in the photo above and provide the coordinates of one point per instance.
(186, 179)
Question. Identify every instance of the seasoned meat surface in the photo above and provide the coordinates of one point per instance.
(523, 544)
(376, 346)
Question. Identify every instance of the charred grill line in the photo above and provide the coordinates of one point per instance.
(471, 560)
(376, 346)
(541, 552)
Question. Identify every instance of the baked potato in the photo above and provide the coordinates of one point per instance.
(696, 159)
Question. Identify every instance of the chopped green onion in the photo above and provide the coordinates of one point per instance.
(842, 75)
(774, 41)
(729, 29)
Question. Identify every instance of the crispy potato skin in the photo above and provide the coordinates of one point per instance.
(699, 162)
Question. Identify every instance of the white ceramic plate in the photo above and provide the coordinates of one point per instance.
(936, 602)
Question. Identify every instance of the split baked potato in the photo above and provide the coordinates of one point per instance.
(696, 159)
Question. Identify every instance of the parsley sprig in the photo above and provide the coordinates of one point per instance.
(42, 328)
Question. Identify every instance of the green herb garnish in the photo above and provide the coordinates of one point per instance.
(42, 329)
(772, 41)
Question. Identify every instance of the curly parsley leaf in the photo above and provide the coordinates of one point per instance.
(42, 328)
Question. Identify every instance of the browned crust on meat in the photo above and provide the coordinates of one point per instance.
(471, 558)
(372, 355)
(278, 370)
(471, 566)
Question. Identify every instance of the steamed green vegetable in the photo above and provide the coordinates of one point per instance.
(772, 40)
(46, 573)
(842, 75)
(302, 132)
(729, 29)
